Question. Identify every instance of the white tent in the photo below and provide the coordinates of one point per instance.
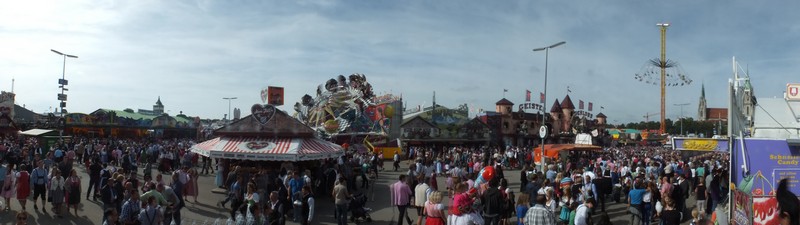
(268, 149)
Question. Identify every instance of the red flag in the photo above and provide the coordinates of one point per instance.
(580, 103)
(541, 97)
(590, 106)
(527, 95)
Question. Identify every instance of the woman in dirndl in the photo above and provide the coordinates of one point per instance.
(23, 186)
(191, 186)
(8, 190)
(73, 191)
(434, 210)
(57, 191)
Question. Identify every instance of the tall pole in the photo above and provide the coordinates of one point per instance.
(544, 107)
(62, 84)
(663, 74)
(229, 116)
(681, 105)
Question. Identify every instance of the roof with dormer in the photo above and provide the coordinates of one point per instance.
(556, 108)
(504, 101)
(567, 103)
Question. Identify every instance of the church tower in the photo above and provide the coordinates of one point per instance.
(701, 108)
(158, 108)
(747, 100)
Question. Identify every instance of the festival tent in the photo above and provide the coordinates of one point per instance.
(267, 135)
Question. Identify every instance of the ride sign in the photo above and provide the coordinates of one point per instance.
(534, 106)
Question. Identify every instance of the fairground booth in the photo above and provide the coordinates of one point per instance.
(268, 134)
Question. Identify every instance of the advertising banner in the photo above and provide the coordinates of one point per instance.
(275, 95)
(769, 161)
(742, 208)
(700, 144)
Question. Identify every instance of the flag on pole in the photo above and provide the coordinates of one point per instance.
(601, 107)
(580, 104)
(568, 90)
(527, 95)
(505, 90)
(541, 97)
(590, 106)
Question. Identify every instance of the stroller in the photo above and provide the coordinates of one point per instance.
(359, 212)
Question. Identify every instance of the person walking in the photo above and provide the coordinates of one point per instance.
(8, 188)
(400, 198)
(131, 209)
(23, 186)
(94, 179)
(493, 203)
(538, 214)
(341, 198)
(73, 187)
(307, 205)
(701, 195)
(435, 210)
(151, 215)
(421, 192)
(192, 189)
(56, 192)
(39, 183)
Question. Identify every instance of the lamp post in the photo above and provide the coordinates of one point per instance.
(62, 84)
(544, 103)
(681, 105)
(229, 106)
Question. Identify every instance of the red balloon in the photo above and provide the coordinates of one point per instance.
(488, 173)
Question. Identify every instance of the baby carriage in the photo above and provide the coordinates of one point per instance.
(359, 212)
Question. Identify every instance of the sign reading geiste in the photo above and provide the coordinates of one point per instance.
(793, 92)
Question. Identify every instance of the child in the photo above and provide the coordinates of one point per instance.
(695, 217)
(522, 207)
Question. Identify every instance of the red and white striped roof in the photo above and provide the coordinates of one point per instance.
(268, 149)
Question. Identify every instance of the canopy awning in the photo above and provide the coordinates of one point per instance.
(552, 150)
(268, 149)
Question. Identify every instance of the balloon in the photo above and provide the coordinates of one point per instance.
(388, 111)
(487, 173)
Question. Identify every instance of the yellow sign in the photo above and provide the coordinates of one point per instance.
(700, 145)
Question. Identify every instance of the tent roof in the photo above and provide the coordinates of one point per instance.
(36, 132)
(281, 125)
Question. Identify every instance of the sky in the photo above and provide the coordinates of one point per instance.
(191, 54)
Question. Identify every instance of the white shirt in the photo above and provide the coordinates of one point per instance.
(465, 219)
(581, 214)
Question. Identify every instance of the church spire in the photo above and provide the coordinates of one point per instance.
(703, 91)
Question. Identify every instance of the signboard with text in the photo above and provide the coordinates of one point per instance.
(700, 144)
(769, 161)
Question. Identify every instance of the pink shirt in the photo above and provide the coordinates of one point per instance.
(666, 189)
(400, 193)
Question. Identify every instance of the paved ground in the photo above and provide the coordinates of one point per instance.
(205, 210)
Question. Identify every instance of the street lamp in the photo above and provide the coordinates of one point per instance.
(62, 84)
(229, 105)
(544, 106)
(681, 105)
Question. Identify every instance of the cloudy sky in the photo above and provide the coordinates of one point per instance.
(194, 53)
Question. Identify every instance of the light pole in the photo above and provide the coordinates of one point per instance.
(681, 105)
(62, 84)
(229, 106)
(544, 103)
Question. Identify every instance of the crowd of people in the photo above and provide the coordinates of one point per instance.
(50, 176)
(653, 182)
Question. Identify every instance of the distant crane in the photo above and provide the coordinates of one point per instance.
(647, 116)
